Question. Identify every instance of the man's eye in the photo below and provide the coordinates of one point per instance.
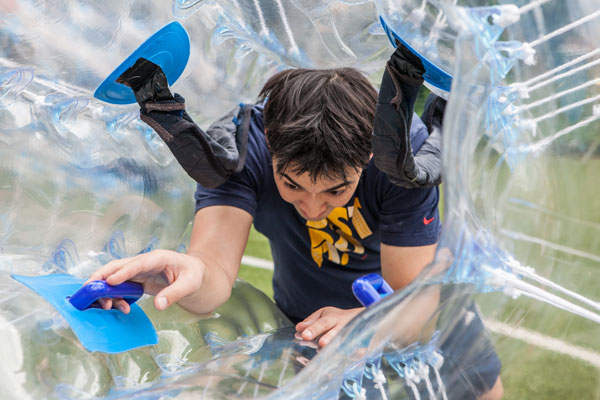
(290, 186)
(338, 192)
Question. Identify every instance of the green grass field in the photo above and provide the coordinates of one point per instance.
(258, 246)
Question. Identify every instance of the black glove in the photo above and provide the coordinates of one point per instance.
(406, 63)
(433, 112)
(208, 157)
(392, 152)
(147, 80)
(402, 79)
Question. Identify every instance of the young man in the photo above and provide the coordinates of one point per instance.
(298, 166)
(308, 184)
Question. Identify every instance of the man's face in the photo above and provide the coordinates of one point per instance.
(315, 200)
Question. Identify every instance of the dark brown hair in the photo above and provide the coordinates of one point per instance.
(319, 121)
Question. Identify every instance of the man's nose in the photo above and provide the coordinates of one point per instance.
(313, 208)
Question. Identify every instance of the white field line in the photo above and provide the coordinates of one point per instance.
(544, 342)
(515, 332)
(257, 262)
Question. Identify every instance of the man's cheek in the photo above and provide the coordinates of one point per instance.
(341, 201)
(286, 196)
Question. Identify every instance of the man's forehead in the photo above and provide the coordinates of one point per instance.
(339, 173)
(304, 178)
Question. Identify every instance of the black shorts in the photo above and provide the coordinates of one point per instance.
(471, 365)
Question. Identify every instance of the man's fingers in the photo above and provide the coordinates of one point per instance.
(326, 338)
(122, 306)
(308, 321)
(183, 286)
(319, 327)
(106, 304)
(104, 273)
(107, 270)
(134, 266)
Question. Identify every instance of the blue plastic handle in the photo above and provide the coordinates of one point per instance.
(87, 296)
(371, 288)
(169, 48)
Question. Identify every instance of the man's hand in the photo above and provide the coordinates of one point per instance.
(392, 148)
(199, 281)
(405, 63)
(325, 322)
(147, 80)
(168, 275)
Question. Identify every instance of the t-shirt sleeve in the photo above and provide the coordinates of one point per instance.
(238, 192)
(408, 217)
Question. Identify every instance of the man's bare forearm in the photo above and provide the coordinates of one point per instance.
(217, 243)
(215, 288)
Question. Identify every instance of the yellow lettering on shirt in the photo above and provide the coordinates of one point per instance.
(339, 236)
(321, 243)
(359, 222)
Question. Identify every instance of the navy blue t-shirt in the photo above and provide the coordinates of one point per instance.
(316, 262)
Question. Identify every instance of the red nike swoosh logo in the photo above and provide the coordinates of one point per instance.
(427, 221)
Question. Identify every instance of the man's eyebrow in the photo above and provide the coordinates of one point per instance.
(345, 183)
(291, 180)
